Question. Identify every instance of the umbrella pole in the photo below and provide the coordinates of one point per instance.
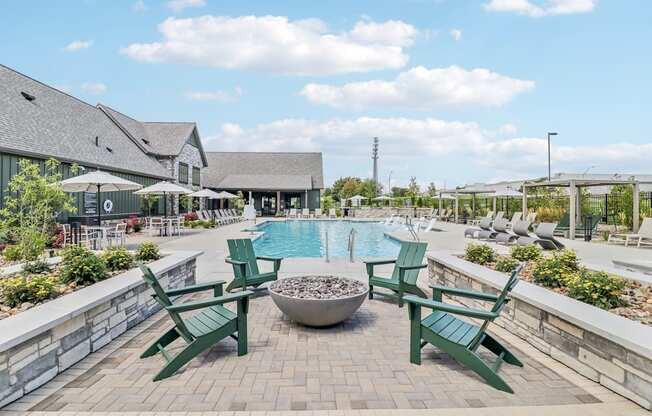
(99, 213)
(165, 205)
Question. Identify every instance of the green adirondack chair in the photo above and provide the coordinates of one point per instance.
(405, 274)
(459, 338)
(245, 266)
(200, 331)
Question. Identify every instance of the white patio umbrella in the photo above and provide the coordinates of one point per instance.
(164, 188)
(384, 198)
(357, 199)
(506, 193)
(226, 195)
(98, 181)
(205, 193)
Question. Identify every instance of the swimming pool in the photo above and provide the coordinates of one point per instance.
(308, 239)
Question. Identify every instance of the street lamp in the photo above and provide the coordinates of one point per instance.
(389, 182)
(549, 134)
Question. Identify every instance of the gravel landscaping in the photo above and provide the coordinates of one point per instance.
(318, 287)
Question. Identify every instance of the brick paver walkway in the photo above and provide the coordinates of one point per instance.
(361, 364)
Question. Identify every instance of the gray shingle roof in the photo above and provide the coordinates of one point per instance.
(58, 125)
(157, 138)
(282, 169)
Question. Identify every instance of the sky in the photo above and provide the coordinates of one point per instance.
(458, 91)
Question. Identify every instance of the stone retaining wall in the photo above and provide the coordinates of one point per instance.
(34, 361)
(615, 366)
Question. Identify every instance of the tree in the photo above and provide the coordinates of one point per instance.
(413, 186)
(432, 190)
(34, 202)
(338, 185)
(350, 188)
(399, 192)
(368, 188)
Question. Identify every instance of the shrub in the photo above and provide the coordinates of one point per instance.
(36, 267)
(117, 258)
(191, 216)
(34, 289)
(11, 253)
(148, 251)
(555, 270)
(526, 253)
(506, 264)
(82, 267)
(596, 288)
(479, 254)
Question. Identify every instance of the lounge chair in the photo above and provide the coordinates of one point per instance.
(498, 226)
(484, 225)
(642, 237)
(318, 213)
(515, 217)
(544, 236)
(245, 265)
(201, 331)
(332, 213)
(431, 225)
(305, 213)
(490, 215)
(405, 274)
(292, 213)
(499, 215)
(459, 338)
(531, 217)
(504, 236)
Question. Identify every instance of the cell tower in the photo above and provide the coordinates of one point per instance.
(374, 156)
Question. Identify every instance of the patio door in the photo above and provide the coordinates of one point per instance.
(268, 205)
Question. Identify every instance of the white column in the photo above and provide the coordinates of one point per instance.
(636, 207)
(494, 205)
(306, 199)
(278, 201)
(572, 199)
(250, 198)
(457, 206)
(524, 204)
(439, 211)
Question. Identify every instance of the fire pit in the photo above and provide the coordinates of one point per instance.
(318, 300)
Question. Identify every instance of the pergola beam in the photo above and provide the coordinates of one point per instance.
(636, 206)
(573, 205)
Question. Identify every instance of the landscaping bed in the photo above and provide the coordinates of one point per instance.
(561, 272)
(40, 282)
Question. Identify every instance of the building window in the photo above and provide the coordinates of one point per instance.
(183, 173)
(195, 175)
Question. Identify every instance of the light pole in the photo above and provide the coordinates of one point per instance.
(549, 134)
(389, 183)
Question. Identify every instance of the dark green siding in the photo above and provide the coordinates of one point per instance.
(125, 203)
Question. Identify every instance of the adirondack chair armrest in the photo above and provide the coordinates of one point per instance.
(216, 286)
(241, 264)
(456, 310)
(369, 264)
(205, 303)
(403, 269)
(438, 290)
(276, 260)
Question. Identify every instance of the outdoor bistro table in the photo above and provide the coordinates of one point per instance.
(102, 235)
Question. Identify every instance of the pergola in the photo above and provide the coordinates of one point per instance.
(573, 182)
(473, 190)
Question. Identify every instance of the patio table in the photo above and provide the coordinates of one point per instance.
(102, 232)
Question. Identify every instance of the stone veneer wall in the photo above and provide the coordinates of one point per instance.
(37, 360)
(606, 362)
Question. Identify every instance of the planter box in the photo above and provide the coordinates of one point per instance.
(39, 343)
(606, 348)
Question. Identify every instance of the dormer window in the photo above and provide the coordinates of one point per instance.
(29, 97)
(109, 149)
(145, 141)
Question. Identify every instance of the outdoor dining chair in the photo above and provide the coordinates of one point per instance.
(118, 234)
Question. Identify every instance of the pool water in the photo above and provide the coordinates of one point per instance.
(308, 239)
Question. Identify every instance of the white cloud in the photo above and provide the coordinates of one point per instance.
(218, 96)
(139, 6)
(179, 5)
(456, 34)
(431, 142)
(276, 44)
(78, 45)
(541, 8)
(95, 88)
(422, 88)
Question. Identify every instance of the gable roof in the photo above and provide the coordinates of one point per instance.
(55, 124)
(264, 170)
(156, 138)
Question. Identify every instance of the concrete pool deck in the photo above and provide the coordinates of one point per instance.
(359, 368)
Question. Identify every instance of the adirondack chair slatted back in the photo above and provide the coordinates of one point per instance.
(162, 298)
(564, 221)
(411, 254)
(243, 250)
(499, 305)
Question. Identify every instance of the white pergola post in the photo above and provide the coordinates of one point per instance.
(494, 205)
(572, 199)
(250, 198)
(278, 201)
(636, 206)
(524, 204)
(473, 206)
(439, 211)
(457, 206)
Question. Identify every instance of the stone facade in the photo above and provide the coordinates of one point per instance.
(191, 156)
(614, 366)
(36, 361)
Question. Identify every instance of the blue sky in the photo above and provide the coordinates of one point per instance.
(457, 91)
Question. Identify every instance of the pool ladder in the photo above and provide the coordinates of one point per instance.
(327, 256)
(351, 244)
(410, 227)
